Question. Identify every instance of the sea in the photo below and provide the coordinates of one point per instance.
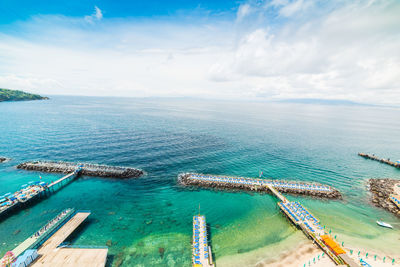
(148, 221)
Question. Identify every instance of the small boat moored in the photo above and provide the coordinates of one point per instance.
(383, 224)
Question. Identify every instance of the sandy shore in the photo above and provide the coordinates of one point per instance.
(297, 251)
(280, 254)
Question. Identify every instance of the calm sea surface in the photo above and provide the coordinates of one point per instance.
(166, 137)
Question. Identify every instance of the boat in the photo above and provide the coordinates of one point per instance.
(383, 224)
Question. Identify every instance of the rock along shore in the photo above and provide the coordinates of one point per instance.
(87, 169)
(381, 190)
(185, 180)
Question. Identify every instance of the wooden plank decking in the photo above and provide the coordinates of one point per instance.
(72, 257)
(62, 234)
(51, 255)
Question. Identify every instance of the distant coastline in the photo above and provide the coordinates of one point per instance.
(16, 95)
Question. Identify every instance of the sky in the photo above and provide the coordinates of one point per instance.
(253, 50)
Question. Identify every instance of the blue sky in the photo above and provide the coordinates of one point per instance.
(256, 50)
(12, 10)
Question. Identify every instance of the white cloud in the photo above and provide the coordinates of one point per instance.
(97, 15)
(347, 51)
(243, 11)
(289, 9)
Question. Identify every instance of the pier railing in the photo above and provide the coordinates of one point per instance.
(53, 228)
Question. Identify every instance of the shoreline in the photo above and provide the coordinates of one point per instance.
(297, 251)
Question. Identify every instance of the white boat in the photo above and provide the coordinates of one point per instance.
(383, 224)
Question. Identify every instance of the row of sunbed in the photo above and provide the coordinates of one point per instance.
(200, 242)
(248, 181)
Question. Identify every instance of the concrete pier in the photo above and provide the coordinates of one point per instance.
(254, 184)
(386, 161)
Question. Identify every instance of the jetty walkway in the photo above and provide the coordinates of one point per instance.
(386, 161)
(312, 228)
(255, 184)
(47, 244)
(31, 191)
(201, 250)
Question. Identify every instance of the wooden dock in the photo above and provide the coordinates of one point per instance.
(72, 257)
(386, 161)
(63, 233)
(25, 196)
(48, 243)
(35, 240)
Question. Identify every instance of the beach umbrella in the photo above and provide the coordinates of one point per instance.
(8, 259)
(375, 257)
(384, 258)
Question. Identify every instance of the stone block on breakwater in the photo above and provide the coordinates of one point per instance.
(87, 169)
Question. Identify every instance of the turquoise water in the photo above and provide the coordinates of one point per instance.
(167, 137)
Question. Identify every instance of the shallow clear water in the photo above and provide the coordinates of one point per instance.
(167, 137)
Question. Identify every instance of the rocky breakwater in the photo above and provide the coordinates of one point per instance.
(381, 189)
(187, 180)
(2, 159)
(86, 169)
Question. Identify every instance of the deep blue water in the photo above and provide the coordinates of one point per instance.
(165, 137)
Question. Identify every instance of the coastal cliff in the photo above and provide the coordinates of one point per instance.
(16, 95)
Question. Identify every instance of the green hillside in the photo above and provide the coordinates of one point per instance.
(15, 95)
